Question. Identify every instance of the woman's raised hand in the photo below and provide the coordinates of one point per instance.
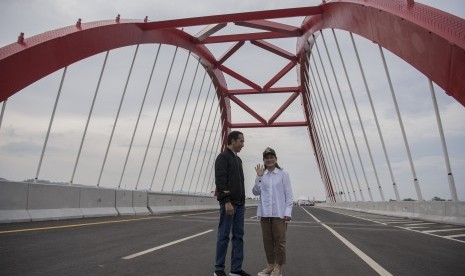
(260, 169)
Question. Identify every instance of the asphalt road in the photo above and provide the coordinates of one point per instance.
(320, 242)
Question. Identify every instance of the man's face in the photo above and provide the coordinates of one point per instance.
(238, 144)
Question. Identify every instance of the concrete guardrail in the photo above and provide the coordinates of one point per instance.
(20, 201)
(435, 211)
(159, 203)
(13, 202)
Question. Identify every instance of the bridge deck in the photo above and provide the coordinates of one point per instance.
(99, 246)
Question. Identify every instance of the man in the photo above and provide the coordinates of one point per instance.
(229, 180)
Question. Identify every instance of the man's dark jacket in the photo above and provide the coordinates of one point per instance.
(229, 178)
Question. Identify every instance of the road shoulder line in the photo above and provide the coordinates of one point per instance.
(367, 259)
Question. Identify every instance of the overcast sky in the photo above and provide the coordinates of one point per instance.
(292, 144)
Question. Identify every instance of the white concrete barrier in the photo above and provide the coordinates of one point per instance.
(455, 212)
(199, 203)
(211, 201)
(139, 203)
(435, 211)
(51, 202)
(13, 201)
(124, 203)
(21, 201)
(160, 203)
(98, 202)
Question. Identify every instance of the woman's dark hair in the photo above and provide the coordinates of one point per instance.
(233, 135)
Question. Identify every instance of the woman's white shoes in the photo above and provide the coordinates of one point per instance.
(267, 271)
(271, 270)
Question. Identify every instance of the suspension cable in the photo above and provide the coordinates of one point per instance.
(206, 147)
(169, 121)
(50, 123)
(156, 117)
(324, 150)
(347, 116)
(211, 151)
(89, 116)
(331, 116)
(319, 150)
(340, 123)
(212, 168)
(138, 117)
(195, 139)
(117, 115)
(450, 176)
(180, 125)
(2, 112)
(369, 149)
(388, 162)
(188, 133)
(404, 136)
(327, 128)
(328, 151)
(201, 144)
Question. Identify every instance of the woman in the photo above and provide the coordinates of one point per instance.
(273, 186)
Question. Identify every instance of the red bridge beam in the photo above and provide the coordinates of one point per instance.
(430, 40)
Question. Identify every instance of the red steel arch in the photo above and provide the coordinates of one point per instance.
(429, 39)
(29, 60)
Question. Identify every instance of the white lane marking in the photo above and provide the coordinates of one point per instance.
(376, 267)
(164, 245)
(443, 230)
(254, 217)
(426, 233)
(217, 211)
(195, 214)
(455, 236)
(368, 217)
(416, 227)
(80, 225)
(419, 224)
(356, 217)
(400, 227)
(401, 222)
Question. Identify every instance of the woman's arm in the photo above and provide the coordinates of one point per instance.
(288, 195)
(257, 188)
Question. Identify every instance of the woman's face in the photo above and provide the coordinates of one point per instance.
(270, 161)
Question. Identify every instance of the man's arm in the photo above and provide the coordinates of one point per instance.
(221, 179)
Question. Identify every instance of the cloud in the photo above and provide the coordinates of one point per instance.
(23, 148)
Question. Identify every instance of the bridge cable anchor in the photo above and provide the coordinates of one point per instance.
(78, 24)
(21, 39)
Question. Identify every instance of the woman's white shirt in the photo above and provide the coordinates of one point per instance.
(275, 191)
